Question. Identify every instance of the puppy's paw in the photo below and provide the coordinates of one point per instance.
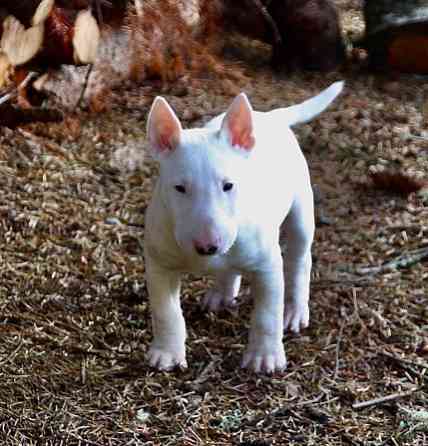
(165, 359)
(296, 316)
(270, 361)
(215, 301)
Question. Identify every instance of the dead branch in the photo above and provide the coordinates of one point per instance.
(22, 85)
(407, 365)
(383, 399)
(270, 21)
(339, 340)
(315, 400)
(85, 86)
(12, 117)
(404, 361)
(402, 261)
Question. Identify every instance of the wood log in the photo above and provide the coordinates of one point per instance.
(19, 44)
(309, 31)
(86, 38)
(12, 117)
(59, 35)
(42, 12)
(55, 36)
(6, 70)
(397, 35)
(24, 10)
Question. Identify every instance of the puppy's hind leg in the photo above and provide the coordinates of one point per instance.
(298, 229)
(223, 293)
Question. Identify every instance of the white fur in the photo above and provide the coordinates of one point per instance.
(271, 186)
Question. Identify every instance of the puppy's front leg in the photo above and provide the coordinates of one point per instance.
(265, 351)
(299, 232)
(169, 331)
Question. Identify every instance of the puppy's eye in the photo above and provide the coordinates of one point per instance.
(227, 187)
(180, 188)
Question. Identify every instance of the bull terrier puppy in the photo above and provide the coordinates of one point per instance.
(223, 193)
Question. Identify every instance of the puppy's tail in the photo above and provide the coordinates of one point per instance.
(307, 110)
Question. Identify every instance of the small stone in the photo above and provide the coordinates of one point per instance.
(142, 416)
(112, 221)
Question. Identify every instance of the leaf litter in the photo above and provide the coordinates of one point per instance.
(75, 318)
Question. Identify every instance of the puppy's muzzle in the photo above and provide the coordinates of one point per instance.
(205, 250)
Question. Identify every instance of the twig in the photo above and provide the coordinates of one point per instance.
(407, 365)
(266, 15)
(85, 86)
(39, 143)
(12, 355)
(313, 401)
(206, 372)
(22, 85)
(383, 399)
(83, 371)
(339, 339)
(402, 261)
(417, 137)
(404, 361)
(355, 281)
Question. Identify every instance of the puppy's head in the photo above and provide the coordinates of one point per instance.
(202, 174)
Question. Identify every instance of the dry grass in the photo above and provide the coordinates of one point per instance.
(75, 320)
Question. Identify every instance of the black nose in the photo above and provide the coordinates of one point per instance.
(206, 250)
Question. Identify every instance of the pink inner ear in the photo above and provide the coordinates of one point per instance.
(163, 127)
(239, 123)
(167, 139)
(241, 136)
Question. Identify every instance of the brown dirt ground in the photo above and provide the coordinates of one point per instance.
(74, 313)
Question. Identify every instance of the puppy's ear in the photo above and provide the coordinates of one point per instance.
(237, 124)
(163, 128)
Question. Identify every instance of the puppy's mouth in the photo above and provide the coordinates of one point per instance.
(205, 253)
(228, 248)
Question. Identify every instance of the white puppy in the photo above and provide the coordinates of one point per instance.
(223, 192)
